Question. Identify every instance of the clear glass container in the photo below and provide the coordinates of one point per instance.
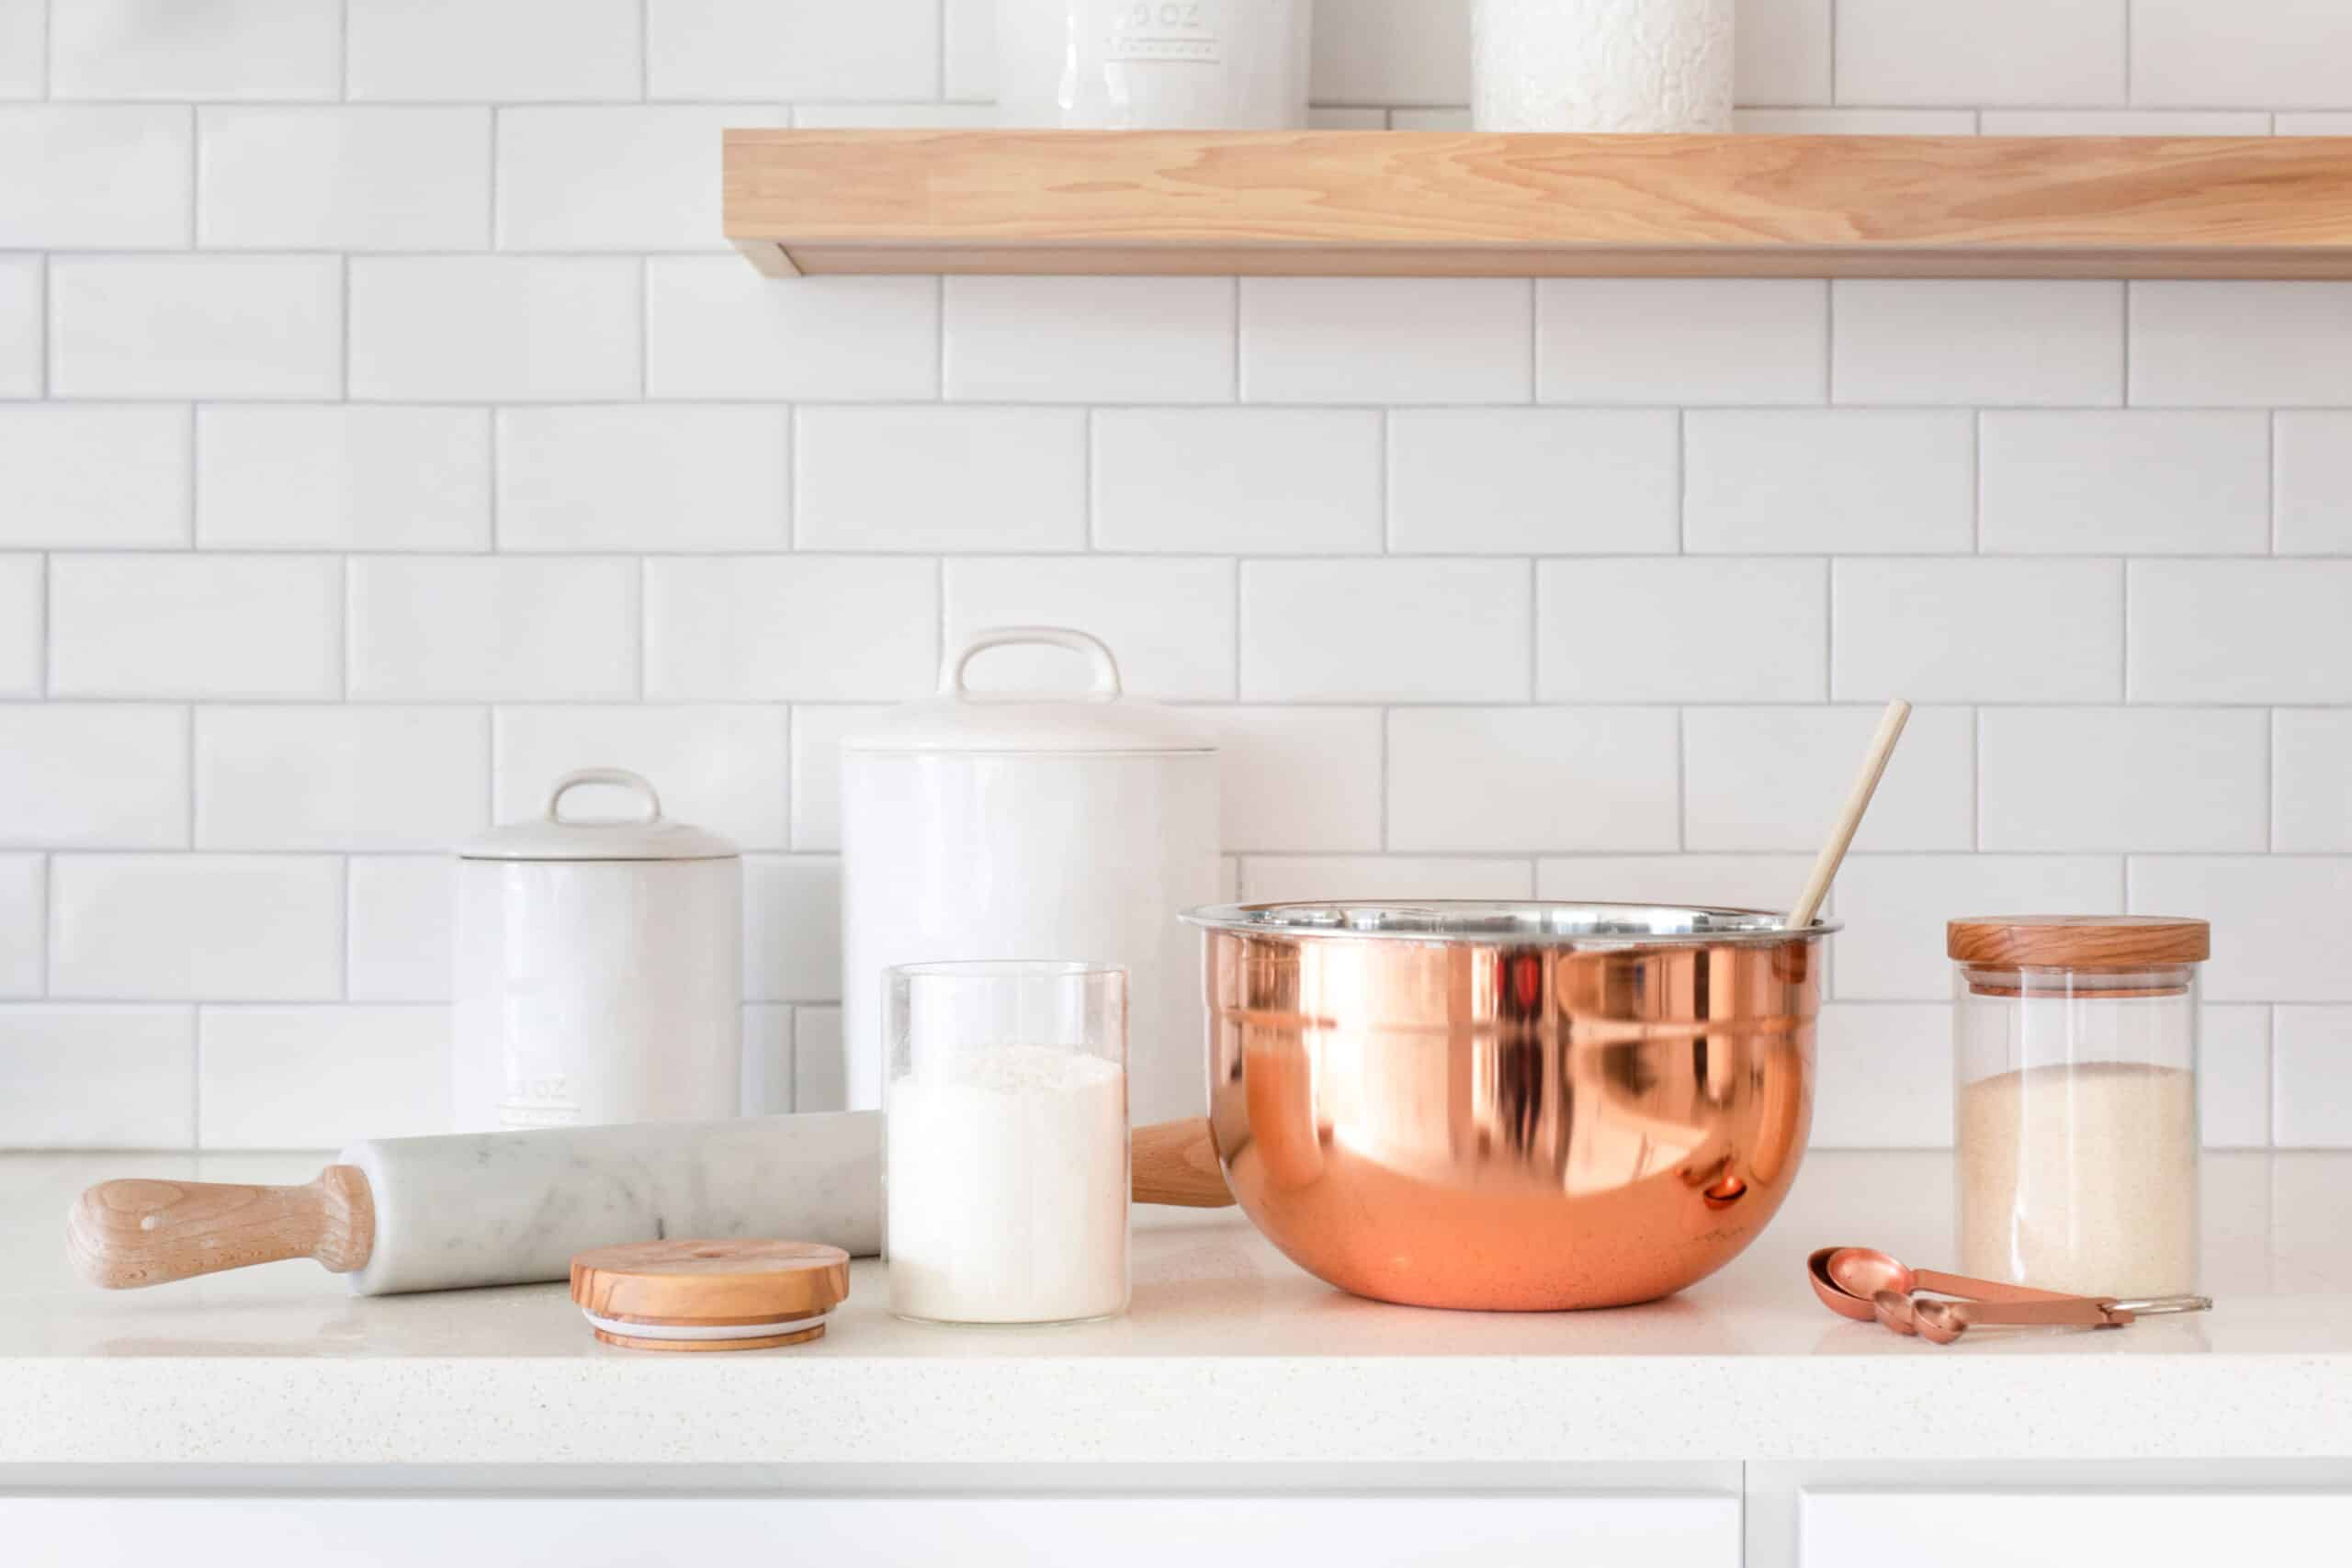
(2074, 1056)
(1005, 1172)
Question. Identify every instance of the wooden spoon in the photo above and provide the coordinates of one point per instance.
(1849, 821)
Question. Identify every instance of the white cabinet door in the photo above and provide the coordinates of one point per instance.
(2071, 1529)
(1510, 1531)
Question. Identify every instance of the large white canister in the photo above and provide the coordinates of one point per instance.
(980, 826)
(1153, 64)
(599, 970)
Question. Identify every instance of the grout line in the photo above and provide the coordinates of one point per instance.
(1976, 781)
(1681, 481)
(1386, 717)
(2270, 475)
(343, 52)
(2270, 785)
(2128, 295)
(1976, 482)
(645, 51)
(1829, 343)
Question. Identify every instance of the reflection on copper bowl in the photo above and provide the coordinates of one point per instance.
(1514, 1107)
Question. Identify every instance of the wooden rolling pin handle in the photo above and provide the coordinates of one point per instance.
(1175, 1163)
(124, 1235)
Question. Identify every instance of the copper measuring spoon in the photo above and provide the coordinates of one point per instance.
(1848, 1278)
(1943, 1320)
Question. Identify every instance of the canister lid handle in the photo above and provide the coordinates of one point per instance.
(1106, 668)
(620, 778)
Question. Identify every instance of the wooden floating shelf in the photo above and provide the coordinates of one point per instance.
(1445, 204)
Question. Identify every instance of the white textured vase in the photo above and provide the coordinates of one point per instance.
(1607, 65)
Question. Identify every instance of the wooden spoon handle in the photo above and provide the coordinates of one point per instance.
(124, 1235)
(1175, 1163)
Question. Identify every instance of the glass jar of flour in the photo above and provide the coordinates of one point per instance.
(1005, 1135)
(2076, 1059)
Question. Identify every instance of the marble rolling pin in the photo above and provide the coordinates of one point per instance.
(512, 1208)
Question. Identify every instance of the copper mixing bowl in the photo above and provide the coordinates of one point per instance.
(1515, 1107)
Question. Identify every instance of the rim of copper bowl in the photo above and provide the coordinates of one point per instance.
(1584, 923)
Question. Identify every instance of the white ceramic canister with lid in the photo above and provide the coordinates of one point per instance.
(978, 826)
(1153, 64)
(599, 969)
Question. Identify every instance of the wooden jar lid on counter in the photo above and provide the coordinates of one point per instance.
(709, 1295)
(2095, 945)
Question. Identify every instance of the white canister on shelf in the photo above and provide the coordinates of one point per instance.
(599, 969)
(980, 826)
(1153, 64)
(1603, 66)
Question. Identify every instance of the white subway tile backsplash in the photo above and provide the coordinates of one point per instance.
(894, 117)
(342, 178)
(1383, 340)
(1854, 123)
(1447, 119)
(155, 626)
(1101, 340)
(1817, 481)
(1884, 1072)
(1770, 778)
(97, 1078)
(2147, 482)
(2319, 122)
(636, 477)
(1539, 481)
(1744, 881)
(1993, 51)
(2233, 1078)
(2149, 779)
(111, 775)
(642, 178)
(792, 949)
(298, 777)
(1222, 482)
(154, 49)
(401, 913)
(767, 1059)
(792, 49)
(1782, 51)
(1896, 908)
(1997, 341)
(1267, 879)
(717, 328)
(2261, 52)
(940, 478)
(1423, 630)
(2310, 771)
(816, 734)
(2313, 1109)
(23, 920)
(2281, 923)
(342, 477)
(1527, 779)
(2222, 631)
(723, 768)
(307, 1077)
(22, 328)
(2123, 122)
(24, 47)
(494, 50)
(428, 629)
(2241, 344)
(88, 177)
(195, 327)
(1168, 621)
(1681, 340)
(967, 49)
(1972, 631)
(847, 628)
(2313, 483)
(1392, 52)
(1666, 631)
(1300, 780)
(24, 589)
(495, 329)
(196, 927)
(94, 478)
(819, 1066)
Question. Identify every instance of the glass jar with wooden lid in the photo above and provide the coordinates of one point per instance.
(2074, 1056)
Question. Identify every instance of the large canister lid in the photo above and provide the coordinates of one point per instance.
(1102, 719)
(555, 837)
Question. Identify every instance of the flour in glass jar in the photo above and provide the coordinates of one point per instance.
(1007, 1188)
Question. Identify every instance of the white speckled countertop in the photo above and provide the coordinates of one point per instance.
(1230, 1354)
